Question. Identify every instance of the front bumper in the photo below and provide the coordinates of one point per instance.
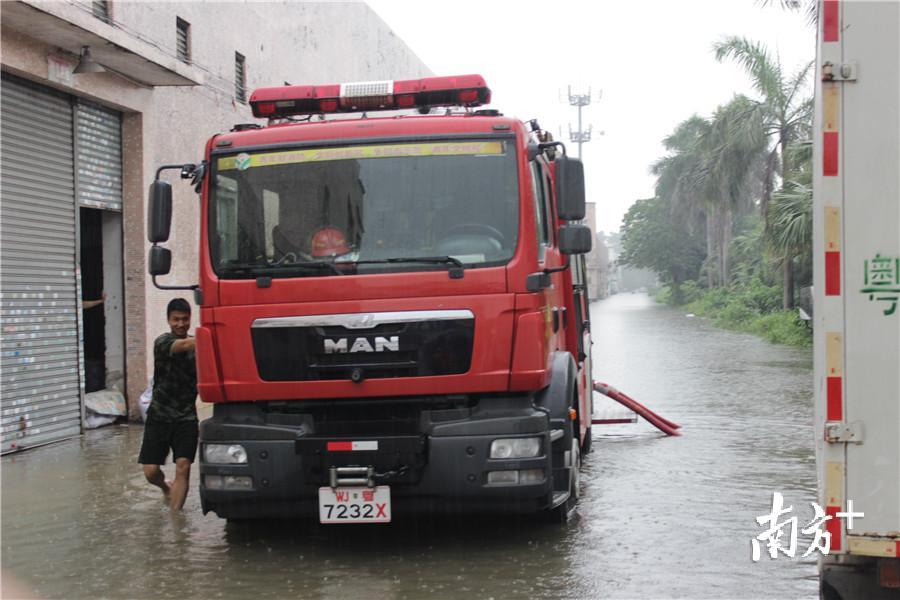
(442, 467)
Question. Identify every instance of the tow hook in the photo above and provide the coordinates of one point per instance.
(357, 476)
(351, 476)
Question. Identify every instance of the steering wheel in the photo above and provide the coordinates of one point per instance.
(478, 229)
(293, 257)
(287, 257)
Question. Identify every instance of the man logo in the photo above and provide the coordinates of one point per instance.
(343, 346)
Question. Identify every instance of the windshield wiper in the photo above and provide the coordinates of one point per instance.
(455, 272)
(280, 269)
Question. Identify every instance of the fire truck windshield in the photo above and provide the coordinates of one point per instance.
(285, 213)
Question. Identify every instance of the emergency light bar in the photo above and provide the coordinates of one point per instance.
(290, 100)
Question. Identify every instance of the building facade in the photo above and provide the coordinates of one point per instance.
(598, 259)
(81, 145)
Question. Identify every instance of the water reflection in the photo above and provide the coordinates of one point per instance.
(659, 517)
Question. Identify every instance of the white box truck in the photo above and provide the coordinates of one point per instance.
(856, 224)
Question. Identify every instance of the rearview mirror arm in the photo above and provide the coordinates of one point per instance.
(558, 269)
(187, 171)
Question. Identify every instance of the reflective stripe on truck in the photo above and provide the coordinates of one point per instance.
(831, 323)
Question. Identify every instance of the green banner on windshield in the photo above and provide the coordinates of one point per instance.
(245, 161)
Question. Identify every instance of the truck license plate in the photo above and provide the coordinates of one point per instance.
(355, 504)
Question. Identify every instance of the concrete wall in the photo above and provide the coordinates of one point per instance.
(302, 43)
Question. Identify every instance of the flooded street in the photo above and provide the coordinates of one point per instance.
(658, 518)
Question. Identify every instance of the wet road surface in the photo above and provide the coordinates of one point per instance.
(658, 518)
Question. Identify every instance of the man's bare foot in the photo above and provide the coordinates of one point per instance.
(167, 489)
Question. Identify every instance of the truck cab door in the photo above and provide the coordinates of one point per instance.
(549, 255)
(581, 320)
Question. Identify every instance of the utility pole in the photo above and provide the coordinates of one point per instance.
(581, 135)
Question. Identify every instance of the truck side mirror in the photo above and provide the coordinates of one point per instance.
(575, 239)
(160, 260)
(569, 188)
(159, 212)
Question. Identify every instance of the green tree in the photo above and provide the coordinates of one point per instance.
(791, 225)
(784, 110)
(655, 237)
(809, 7)
(735, 156)
(713, 173)
(678, 177)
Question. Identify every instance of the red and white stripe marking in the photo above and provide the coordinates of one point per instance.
(834, 499)
(832, 251)
(830, 197)
(831, 21)
(834, 388)
(360, 446)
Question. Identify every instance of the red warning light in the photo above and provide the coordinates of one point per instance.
(459, 90)
(264, 108)
(328, 105)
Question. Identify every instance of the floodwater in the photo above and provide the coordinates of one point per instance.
(658, 518)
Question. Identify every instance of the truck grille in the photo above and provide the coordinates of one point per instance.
(373, 345)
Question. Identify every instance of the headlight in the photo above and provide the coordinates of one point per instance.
(516, 448)
(502, 477)
(225, 454)
(531, 476)
(524, 477)
(228, 482)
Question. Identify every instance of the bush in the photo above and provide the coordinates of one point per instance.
(710, 303)
(664, 295)
(754, 308)
(735, 315)
(783, 327)
(691, 291)
(761, 297)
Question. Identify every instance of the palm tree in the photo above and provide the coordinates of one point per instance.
(809, 7)
(677, 179)
(791, 225)
(783, 108)
(735, 155)
(709, 176)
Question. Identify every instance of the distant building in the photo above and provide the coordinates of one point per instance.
(95, 96)
(626, 278)
(598, 259)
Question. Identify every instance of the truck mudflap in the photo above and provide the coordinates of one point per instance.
(445, 468)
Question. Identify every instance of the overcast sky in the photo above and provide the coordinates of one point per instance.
(652, 60)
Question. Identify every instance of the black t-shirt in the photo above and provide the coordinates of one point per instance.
(174, 383)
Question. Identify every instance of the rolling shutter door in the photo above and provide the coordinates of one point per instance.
(98, 145)
(39, 301)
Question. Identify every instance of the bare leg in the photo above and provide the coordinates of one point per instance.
(180, 484)
(155, 476)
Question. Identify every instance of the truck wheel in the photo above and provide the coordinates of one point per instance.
(588, 442)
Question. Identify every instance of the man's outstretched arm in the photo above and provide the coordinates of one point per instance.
(185, 345)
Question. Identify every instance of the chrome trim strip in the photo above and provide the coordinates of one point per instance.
(364, 320)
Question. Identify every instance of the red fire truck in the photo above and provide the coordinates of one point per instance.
(393, 309)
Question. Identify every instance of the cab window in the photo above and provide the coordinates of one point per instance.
(540, 210)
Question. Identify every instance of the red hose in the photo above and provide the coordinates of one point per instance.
(664, 425)
(610, 388)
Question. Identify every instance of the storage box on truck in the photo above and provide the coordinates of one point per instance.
(857, 288)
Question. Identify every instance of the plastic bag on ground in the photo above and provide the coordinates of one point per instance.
(144, 401)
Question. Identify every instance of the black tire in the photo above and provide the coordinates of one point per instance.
(588, 443)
